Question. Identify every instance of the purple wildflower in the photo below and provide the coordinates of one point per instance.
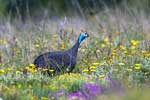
(52, 96)
(90, 90)
(114, 86)
(107, 78)
(59, 93)
(77, 95)
(86, 91)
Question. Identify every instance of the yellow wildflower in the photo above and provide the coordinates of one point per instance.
(114, 52)
(39, 68)
(52, 98)
(8, 69)
(95, 63)
(93, 70)
(122, 47)
(62, 45)
(106, 40)
(148, 55)
(116, 32)
(85, 61)
(134, 42)
(145, 53)
(109, 61)
(133, 47)
(27, 68)
(34, 71)
(45, 69)
(129, 70)
(83, 50)
(37, 45)
(97, 50)
(96, 41)
(101, 75)
(2, 71)
(32, 65)
(33, 97)
(92, 67)
(63, 86)
(85, 70)
(137, 66)
(103, 45)
(55, 36)
(17, 72)
(121, 64)
(125, 52)
(51, 70)
(44, 98)
(2, 41)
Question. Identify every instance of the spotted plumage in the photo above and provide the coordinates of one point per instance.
(60, 61)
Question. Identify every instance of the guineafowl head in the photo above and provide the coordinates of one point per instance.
(82, 36)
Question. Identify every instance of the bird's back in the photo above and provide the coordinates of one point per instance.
(53, 60)
(61, 59)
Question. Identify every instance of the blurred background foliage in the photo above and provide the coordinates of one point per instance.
(53, 8)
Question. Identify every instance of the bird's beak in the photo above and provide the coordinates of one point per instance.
(87, 35)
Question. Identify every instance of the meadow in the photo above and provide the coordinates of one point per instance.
(112, 64)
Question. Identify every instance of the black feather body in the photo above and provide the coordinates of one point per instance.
(59, 61)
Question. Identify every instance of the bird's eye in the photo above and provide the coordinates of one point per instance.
(85, 34)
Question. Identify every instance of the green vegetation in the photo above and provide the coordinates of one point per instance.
(113, 63)
(50, 8)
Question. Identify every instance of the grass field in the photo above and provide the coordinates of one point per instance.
(113, 64)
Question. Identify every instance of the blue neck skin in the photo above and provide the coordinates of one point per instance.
(74, 49)
(81, 38)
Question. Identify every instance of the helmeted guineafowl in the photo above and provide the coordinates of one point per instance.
(60, 60)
